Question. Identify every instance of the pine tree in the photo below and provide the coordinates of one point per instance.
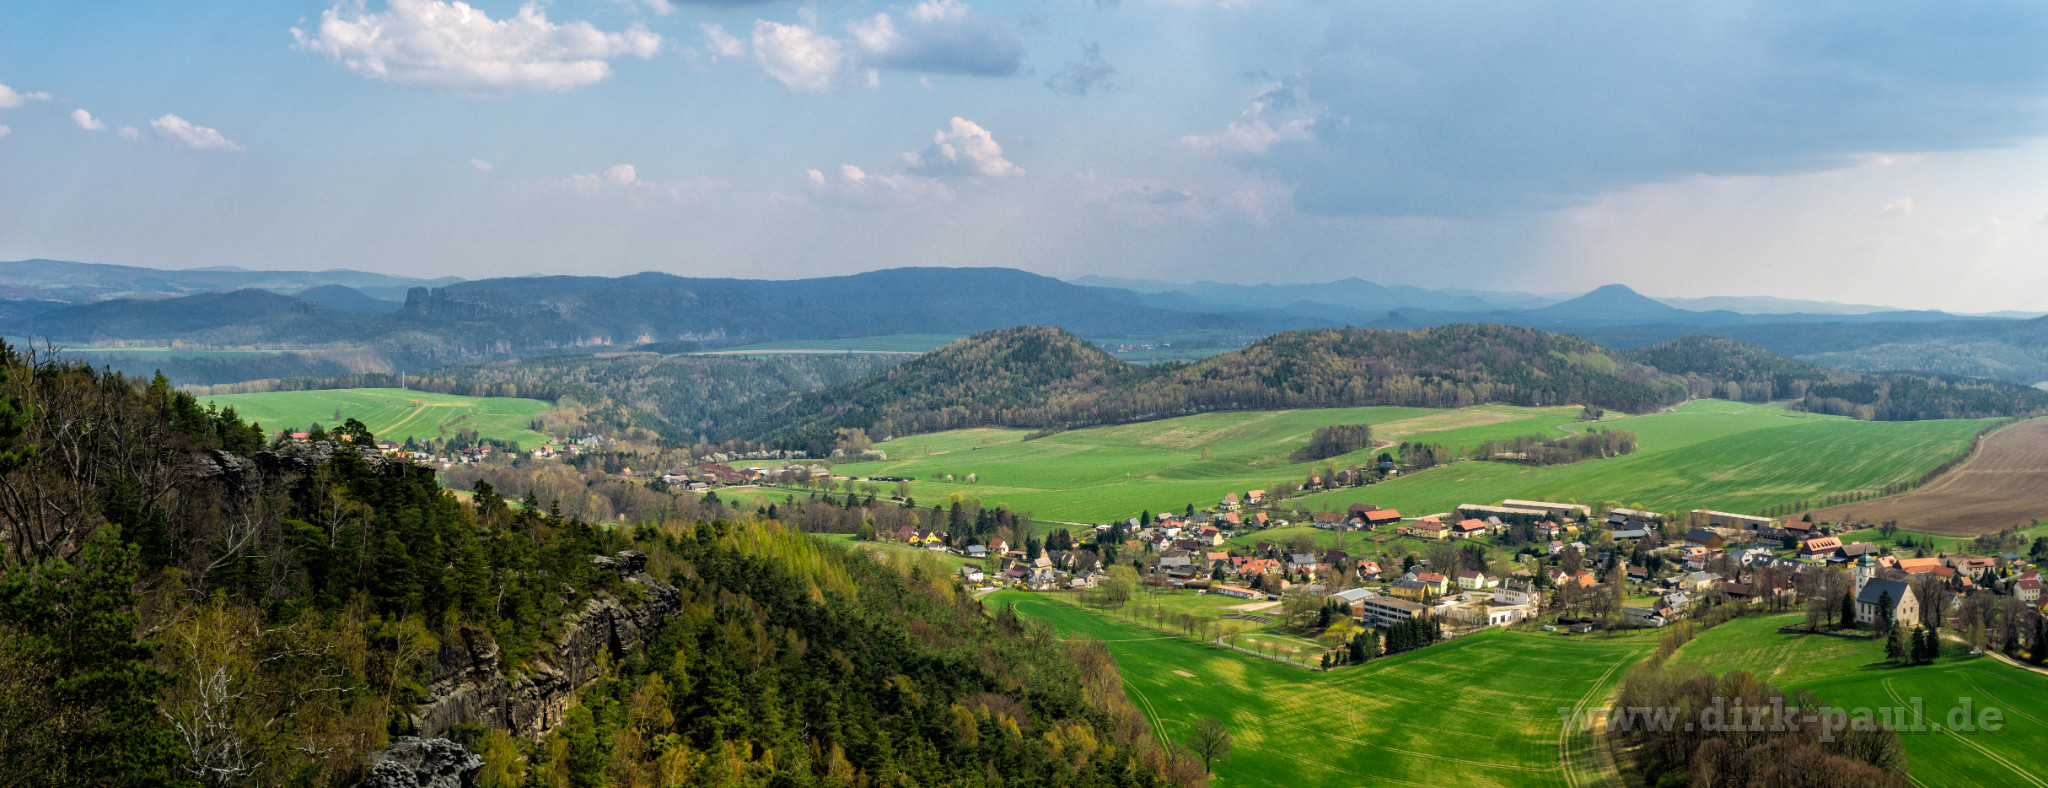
(1848, 619)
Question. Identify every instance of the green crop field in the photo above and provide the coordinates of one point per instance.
(1097, 474)
(1853, 674)
(1482, 710)
(393, 414)
(1725, 455)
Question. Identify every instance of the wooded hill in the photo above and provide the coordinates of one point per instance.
(1047, 378)
(198, 608)
(1729, 369)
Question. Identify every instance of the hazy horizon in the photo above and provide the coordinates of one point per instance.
(1877, 154)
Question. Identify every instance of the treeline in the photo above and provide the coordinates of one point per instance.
(1048, 378)
(1595, 444)
(174, 614)
(1728, 369)
(1335, 440)
(1725, 731)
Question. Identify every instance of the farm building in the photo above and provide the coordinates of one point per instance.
(1559, 509)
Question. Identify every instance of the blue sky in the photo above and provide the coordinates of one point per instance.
(1876, 152)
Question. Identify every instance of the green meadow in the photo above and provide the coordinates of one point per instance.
(393, 414)
(1853, 673)
(1725, 455)
(1482, 710)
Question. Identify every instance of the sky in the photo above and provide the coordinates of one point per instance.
(1869, 152)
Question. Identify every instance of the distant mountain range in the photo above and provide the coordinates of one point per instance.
(418, 324)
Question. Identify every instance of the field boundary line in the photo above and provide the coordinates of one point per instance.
(2024, 775)
(1973, 684)
(1564, 729)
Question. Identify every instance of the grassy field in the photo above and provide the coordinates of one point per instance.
(1725, 455)
(896, 551)
(1853, 673)
(1478, 711)
(891, 343)
(1098, 474)
(393, 414)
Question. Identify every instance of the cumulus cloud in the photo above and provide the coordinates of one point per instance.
(1078, 77)
(938, 36)
(85, 120)
(185, 135)
(857, 185)
(623, 181)
(964, 149)
(1482, 109)
(720, 44)
(9, 98)
(799, 57)
(129, 133)
(453, 46)
(1279, 114)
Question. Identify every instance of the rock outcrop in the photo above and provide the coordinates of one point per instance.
(422, 763)
(469, 683)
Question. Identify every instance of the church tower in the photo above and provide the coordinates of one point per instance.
(1865, 569)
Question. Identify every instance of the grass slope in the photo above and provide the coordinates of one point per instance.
(1726, 455)
(1478, 711)
(393, 414)
(1853, 673)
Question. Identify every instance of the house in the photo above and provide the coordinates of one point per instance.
(1237, 591)
(1255, 497)
(2027, 589)
(1427, 528)
(1674, 604)
(1704, 538)
(977, 551)
(1702, 582)
(1468, 528)
(1752, 556)
(1468, 579)
(1437, 583)
(1172, 563)
(1217, 557)
(1326, 519)
(1383, 611)
(1244, 566)
(1368, 569)
(1230, 501)
(1409, 588)
(1820, 547)
(1916, 566)
(998, 546)
(1638, 574)
(971, 573)
(1302, 562)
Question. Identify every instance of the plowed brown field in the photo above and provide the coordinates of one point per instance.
(2004, 485)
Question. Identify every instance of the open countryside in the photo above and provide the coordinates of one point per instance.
(392, 414)
(1713, 453)
(1482, 710)
(2004, 484)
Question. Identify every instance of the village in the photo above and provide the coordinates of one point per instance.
(1567, 568)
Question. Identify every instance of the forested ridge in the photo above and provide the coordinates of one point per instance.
(1047, 378)
(182, 604)
(1729, 369)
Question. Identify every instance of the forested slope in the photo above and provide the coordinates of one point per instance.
(1729, 369)
(197, 608)
(1045, 377)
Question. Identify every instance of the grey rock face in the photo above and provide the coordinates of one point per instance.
(470, 685)
(423, 763)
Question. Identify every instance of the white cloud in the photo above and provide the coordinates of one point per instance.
(481, 165)
(85, 120)
(186, 135)
(1899, 207)
(857, 185)
(452, 46)
(799, 57)
(657, 7)
(1280, 113)
(9, 99)
(719, 43)
(940, 36)
(964, 149)
(623, 181)
(4, 131)
(129, 133)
